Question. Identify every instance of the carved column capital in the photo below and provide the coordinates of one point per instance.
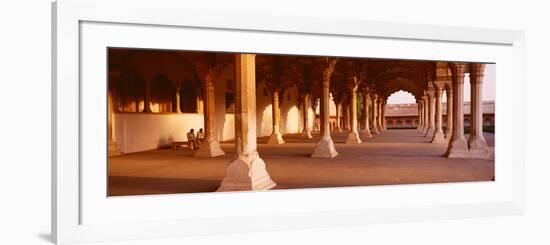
(477, 72)
(449, 87)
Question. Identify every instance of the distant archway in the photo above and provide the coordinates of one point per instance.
(401, 97)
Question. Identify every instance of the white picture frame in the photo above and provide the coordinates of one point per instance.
(69, 174)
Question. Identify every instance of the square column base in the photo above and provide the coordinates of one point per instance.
(439, 138)
(424, 131)
(374, 130)
(366, 133)
(324, 148)
(307, 134)
(209, 149)
(458, 149)
(430, 133)
(275, 139)
(353, 138)
(478, 147)
(247, 174)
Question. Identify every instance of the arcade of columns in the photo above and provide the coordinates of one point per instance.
(344, 79)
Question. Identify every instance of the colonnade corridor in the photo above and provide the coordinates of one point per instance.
(394, 156)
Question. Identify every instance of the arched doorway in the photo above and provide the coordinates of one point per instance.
(401, 106)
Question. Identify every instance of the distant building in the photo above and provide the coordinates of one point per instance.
(406, 115)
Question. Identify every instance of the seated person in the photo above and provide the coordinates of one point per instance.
(200, 136)
(192, 140)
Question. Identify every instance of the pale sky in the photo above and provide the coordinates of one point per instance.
(489, 87)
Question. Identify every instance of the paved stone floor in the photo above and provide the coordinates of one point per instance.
(393, 157)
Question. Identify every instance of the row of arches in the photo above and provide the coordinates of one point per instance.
(130, 93)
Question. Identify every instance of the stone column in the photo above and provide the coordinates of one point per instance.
(353, 136)
(439, 136)
(431, 113)
(325, 145)
(338, 114)
(458, 147)
(112, 108)
(420, 116)
(374, 126)
(276, 136)
(146, 98)
(200, 105)
(348, 117)
(366, 131)
(247, 170)
(306, 133)
(210, 147)
(344, 113)
(177, 108)
(476, 142)
(384, 123)
(449, 129)
(380, 115)
(425, 113)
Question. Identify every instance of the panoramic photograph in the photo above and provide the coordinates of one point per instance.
(199, 122)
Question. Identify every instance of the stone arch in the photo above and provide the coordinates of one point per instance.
(400, 90)
(290, 109)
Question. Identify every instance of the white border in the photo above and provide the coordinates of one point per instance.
(67, 17)
(96, 209)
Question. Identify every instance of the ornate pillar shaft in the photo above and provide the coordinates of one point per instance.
(449, 129)
(348, 117)
(380, 115)
(439, 136)
(338, 109)
(276, 137)
(420, 115)
(209, 122)
(374, 114)
(353, 136)
(247, 171)
(366, 130)
(177, 108)
(306, 133)
(324, 109)
(384, 123)
(431, 114)
(210, 147)
(476, 142)
(426, 114)
(325, 146)
(458, 147)
(146, 98)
